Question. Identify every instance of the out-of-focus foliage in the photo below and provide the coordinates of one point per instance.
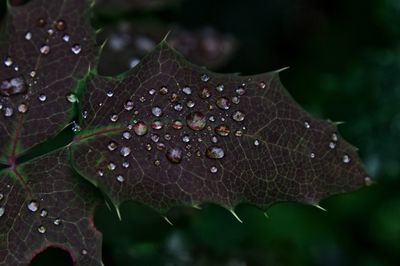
(345, 65)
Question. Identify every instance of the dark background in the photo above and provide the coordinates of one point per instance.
(344, 59)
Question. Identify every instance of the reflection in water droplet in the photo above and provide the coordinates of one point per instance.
(110, 94)
(120, 179)
(41, 22)
(186, 138)
(57, 221)
(312, 155)
(220, 88)
(13, 86)
(45, 49)
(8, 62)
(187, 90)
(205, 93)
(126, 135)
(23, 108)
(156, 111)
(28, 36)
(8, 112)
(204, 77)
(61, 25)
(332, 145)
(114, 118)
(157, 162)
(177, 124)
(214, 139)
(262, 85)
(112, 146)
(111, 166)
(140, 128)
(71, 97)
(213, 169)
(128, 106)
(155, 138)
(334, 137)
(163, 90)
(42, 229)
(157, 125)
(125, 151)
(2, 211)
(66, 38)
(42, 97)
(223, 103)
(238, 133)
(84, 252)
(76, 49)
(76, 127)
(235, 100)
(174, 155)
(240, 91)
(215, 152)
(43, 213)
(238, 116)
(190, 104)
(196, 121)
(256, 142)
(178, 107)
(125, 164)
(307, 125)
(346, 158)
(222, 130)
(33, 206)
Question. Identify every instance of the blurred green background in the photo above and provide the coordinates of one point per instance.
(344, 59)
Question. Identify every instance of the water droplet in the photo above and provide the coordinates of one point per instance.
(214, 139)
(125, 164)
(220, 88)
(306, 124)
(128, 106)
(204, 93)
(346, 158)
(125, 151)
(110, 94)
(187, 90)
(163, 90)
(156, 111)
(8, 62)
(33, 206)
(120, 179)
(174, 155)
(61, 25)
(215, 152)
(256, 142)
(8, 112)
(178, 107)
(238, 116)
(114, 118)
(222, 130)
(368, 181)
(45, 49)
(148, 147)
(211, 118)
(190, 104)
(100, 173)
(66, 38)
(240, 91)
(42, 229)
(140, 128)
(1, 196)
(196, 121)
(157, 125)
(177, 124)
(16, 68)
(312, 155)
(43, 213)
(167, 137)
(235, 100)
(204, 77)
(76, 49)
(85, 114)
(186, 138)
(334, 137)
(32, 73)
(112, 146)
(42, 97)
(13, 86)
(76, 127)
(332, 145)
(223, 103)
(126, 135)
(111, 166)
(262, 85)
(28, 36)
(57, 221)
(41, 22)
(160, 146)
(71, 97)
(155, 137)
(238, 133)
(213, 169)
(2, 211)
(23, 108)
(157, 162)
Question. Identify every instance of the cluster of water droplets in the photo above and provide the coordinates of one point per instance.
(22, 81)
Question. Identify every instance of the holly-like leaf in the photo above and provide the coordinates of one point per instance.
(46, 47)
(43, 203)
(172, 133)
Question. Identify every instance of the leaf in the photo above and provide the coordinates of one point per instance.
(172, 133)
(43, 203)
(47, 47)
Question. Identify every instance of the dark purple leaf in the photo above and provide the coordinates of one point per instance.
(44, 204)
(172, 133)
(46, 48)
